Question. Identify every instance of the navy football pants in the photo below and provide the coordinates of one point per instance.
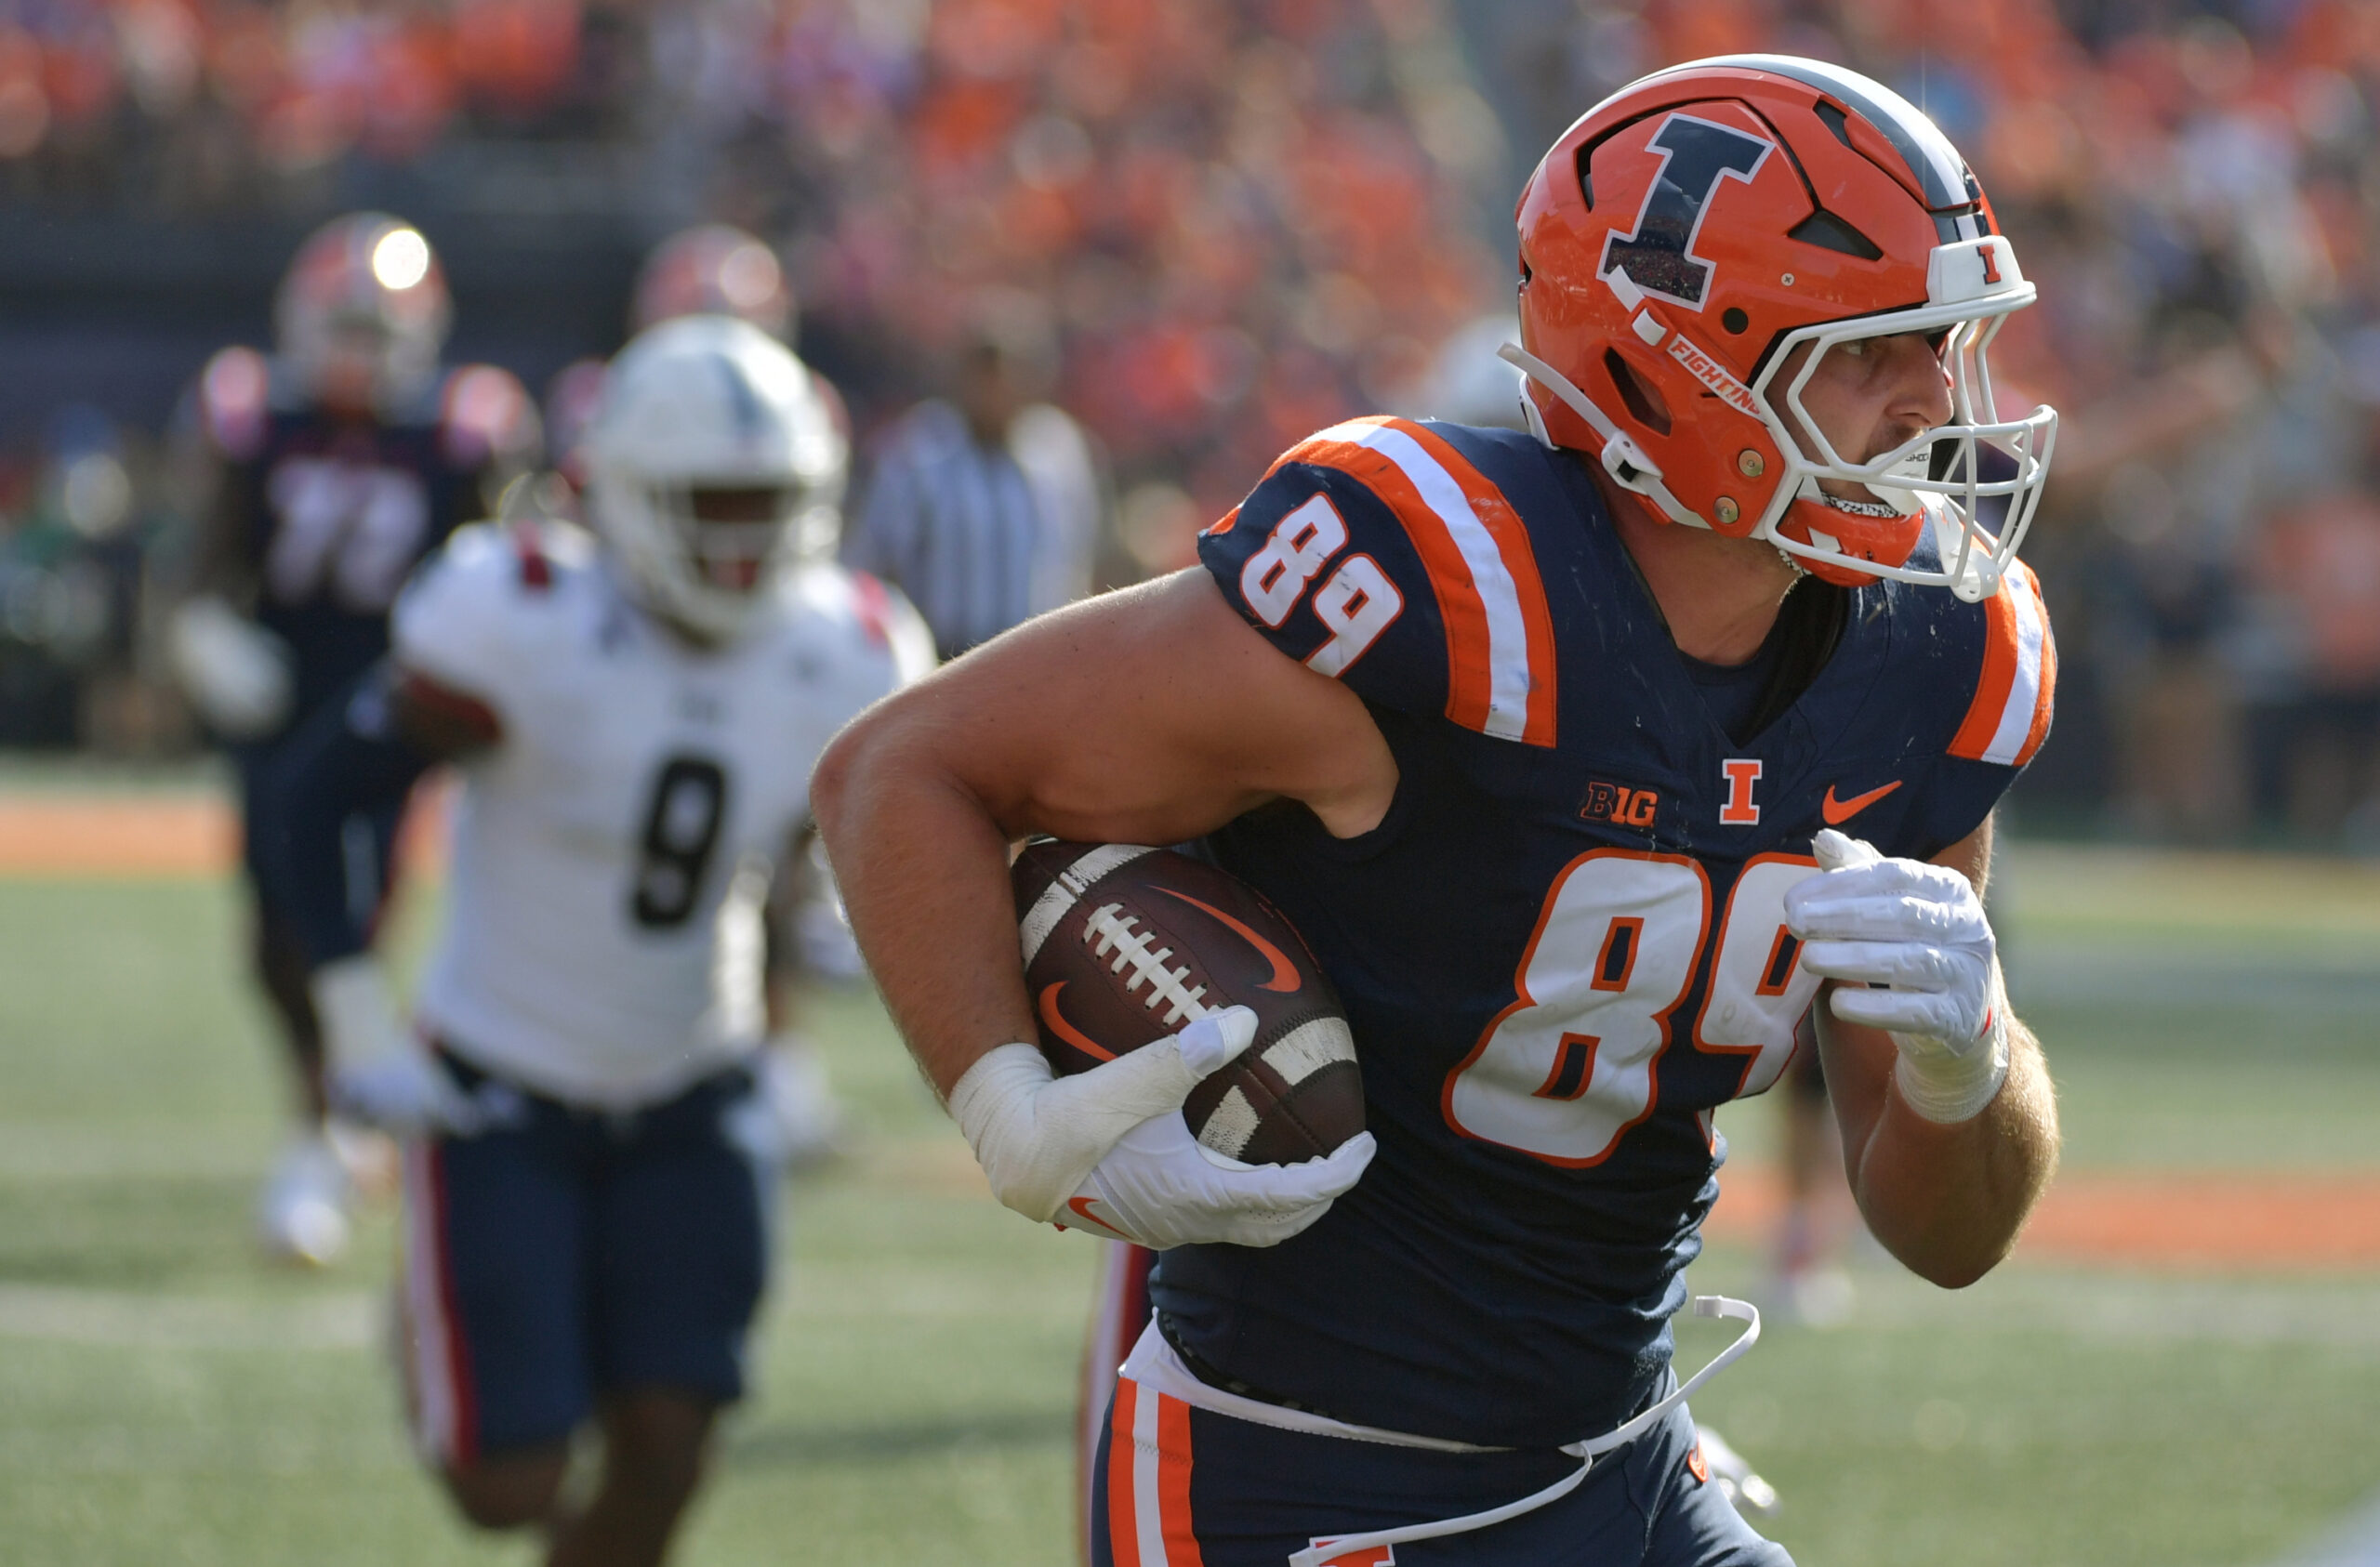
(572, 1253)
(1183, 1487)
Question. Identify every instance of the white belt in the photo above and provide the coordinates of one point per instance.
(1153, 1365)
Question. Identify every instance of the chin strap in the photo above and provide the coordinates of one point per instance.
(1622, 458)
(1324, 1552)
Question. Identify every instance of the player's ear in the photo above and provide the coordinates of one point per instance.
(1644, 400)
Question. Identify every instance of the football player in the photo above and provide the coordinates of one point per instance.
(634, 716)
(717, 269)
(1588, 759)
(340, 462)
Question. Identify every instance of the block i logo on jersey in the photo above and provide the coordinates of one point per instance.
(1739, 808)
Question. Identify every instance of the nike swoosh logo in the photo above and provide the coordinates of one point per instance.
(1285, 973)
(1067, 1031)
(1081, 1208)
(1839, 812)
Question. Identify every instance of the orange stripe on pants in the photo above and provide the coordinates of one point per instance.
(1148, 1480)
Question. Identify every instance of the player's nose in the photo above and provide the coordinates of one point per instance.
(1919, 383)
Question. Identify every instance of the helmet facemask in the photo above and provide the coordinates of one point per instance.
(708, 553)
(1936, 480)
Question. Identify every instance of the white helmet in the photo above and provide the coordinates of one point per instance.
(712, 466)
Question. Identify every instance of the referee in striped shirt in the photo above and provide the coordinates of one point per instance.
(984, 508)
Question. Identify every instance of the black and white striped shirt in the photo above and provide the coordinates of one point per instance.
(979, 537)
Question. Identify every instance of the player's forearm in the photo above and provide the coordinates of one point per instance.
(337, 766)
(1949, 1201)
(923, 870)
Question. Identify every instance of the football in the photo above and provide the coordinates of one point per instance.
(1125, 945)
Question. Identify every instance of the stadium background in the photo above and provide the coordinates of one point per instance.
(1250, 221)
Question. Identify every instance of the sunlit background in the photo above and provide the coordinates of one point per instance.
(1244, 221)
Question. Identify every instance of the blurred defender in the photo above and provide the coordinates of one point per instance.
(341, 461)
(717, 269)
(635, 720)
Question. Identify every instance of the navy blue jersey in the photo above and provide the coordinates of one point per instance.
(1565, 946)
(329, 515)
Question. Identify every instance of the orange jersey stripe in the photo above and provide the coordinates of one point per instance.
(1999, 678)
(1504, 525)
(1123, 1526)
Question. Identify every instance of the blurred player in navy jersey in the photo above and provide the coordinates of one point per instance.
(1589, 760)
(340, 461)
(634, 715)
(717, 269)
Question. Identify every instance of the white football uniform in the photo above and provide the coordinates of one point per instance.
(599, 945)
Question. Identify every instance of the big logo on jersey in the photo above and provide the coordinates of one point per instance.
(1657, 255)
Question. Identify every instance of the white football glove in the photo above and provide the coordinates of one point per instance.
(238, 675)
(1039, 1139)
(1918, 930)
(381, 1073)
(1160, 1188)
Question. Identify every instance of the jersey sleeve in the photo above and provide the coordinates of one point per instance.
(1376, 553)
(348, 757)
(486, 419)
(873, 640)
(2007, 696)
(467, 619)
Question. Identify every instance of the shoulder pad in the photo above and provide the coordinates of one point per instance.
(484, 415)
(469, 614)
(1409, 518)
(2017, 683)
(235, 402)
(882, 619)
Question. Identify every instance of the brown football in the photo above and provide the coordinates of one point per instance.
(1125, 945)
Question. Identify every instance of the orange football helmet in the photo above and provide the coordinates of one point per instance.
(715, 268)
(363, 312)
(1693, 230)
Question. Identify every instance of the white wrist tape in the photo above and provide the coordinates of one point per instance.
(1038, 1138)
(1949, 1081)
(358, 1017)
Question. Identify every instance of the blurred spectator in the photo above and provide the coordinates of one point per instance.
(1224, 204)
(986, 508)
(71, 556)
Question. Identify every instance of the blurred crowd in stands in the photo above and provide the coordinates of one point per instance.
(1246, 220)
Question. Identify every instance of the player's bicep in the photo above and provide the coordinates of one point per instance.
(1149, 715)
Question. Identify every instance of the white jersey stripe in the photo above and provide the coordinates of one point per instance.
(1148, 1518)
(1508, 681)
(431, 1366)
(2025, 690)
(1123, 1271)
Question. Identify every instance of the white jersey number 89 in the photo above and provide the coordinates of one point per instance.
(1568, 1067)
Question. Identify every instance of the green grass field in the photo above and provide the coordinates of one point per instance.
(164, 1399)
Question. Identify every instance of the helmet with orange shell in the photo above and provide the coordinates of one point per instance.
(1687, 236)
(363, 312)
(714, 269)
